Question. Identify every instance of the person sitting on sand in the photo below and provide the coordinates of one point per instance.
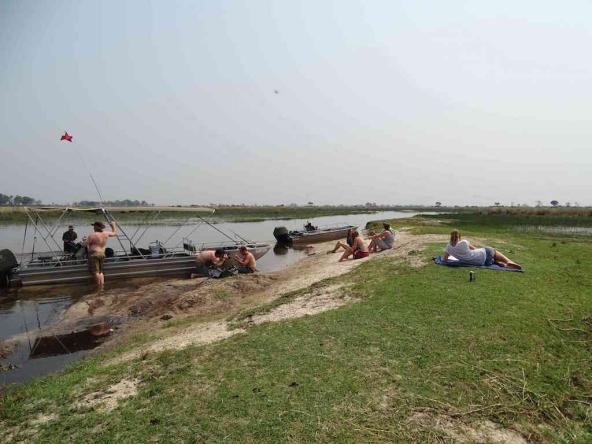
(210, 258)
(469, 254)
(246, 261)
(358, 250)
(382, 241)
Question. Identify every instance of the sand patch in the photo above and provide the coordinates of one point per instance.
(27, 431)
(198, 334)
(476, 432)
(42, 419)
(108, 399)
(319, 300)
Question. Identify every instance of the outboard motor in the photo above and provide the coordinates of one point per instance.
(8, 263)
(281, 234)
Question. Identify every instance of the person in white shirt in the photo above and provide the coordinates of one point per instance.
(469, 254)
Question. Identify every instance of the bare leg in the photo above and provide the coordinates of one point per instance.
(372, 246)
(98, 280)
(348, 251)
(503, 261)
(102, 277)
(339, 245)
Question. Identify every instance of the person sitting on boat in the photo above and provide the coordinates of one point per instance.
(309, 227)
(69, 237)
(95, 244)
(246, 261)
(358, 249)
(382, 241)
(210, 258)
(465, 252)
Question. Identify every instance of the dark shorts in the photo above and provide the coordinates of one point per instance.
(360, 254)
(95, 262)
(489, 256)
(245, 270)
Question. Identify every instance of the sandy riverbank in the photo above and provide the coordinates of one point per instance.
(205, 306)
(209, 303)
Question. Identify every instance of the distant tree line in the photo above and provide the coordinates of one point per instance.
(6, 199)
(113, 203)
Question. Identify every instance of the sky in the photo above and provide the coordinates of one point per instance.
(270, 102)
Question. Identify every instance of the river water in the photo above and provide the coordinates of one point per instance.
(25, 311)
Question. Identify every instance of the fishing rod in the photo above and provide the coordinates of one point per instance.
(239, 236)
(218, 230)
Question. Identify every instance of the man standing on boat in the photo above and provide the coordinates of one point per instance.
(95, 243)
(69, 237)
(246, 260)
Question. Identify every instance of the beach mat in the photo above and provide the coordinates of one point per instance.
(453, 262)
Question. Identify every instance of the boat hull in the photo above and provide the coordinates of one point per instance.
(319, 236)
(116, 269)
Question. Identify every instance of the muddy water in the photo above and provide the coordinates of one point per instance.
(25, 312)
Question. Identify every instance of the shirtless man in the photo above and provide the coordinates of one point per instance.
(95, 243)
(246, 260)
(209, 258)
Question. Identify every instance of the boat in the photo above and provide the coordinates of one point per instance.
(312, 234)
(54, 267)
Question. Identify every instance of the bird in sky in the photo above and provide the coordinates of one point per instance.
(276, 91)
(66, 136)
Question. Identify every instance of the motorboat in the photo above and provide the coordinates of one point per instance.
(55, 267)
(312, 234)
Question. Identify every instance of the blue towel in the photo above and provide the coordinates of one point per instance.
(456, 263)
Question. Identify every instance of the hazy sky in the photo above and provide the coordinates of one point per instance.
(388, 101)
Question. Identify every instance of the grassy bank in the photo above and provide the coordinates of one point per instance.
(228, 214)
(423, 356)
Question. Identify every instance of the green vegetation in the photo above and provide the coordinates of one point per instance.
(422, 343)
(227, 214)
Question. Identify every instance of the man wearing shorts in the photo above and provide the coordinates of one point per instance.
(95, 244)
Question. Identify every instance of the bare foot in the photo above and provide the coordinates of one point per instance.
(514, 266)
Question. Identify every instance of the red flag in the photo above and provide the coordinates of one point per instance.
(66, 136)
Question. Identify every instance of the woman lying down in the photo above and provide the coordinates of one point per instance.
(469, 254)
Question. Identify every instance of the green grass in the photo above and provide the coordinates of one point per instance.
(228, 214)
(511, 348)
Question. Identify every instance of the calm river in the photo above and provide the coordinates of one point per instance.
(25, 311)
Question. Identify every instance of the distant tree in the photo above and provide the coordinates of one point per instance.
(438, 204)
(554, 203)
(17, 200)
(497, 204)
(539, 203)
(568, 204)
(26, 200)
(311, 203)
(4, 199)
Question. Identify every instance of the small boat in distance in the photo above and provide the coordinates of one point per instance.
(312, 234)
